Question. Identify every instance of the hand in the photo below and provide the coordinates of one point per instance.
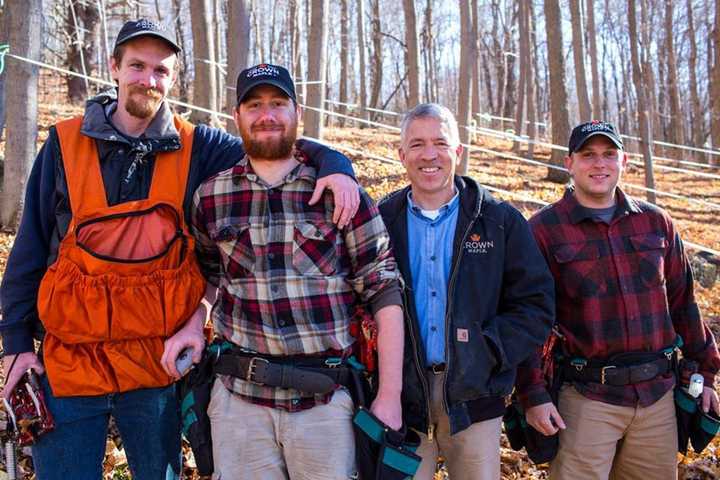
(710, 399)
(544, 418)
(25, 361)
(190, 335)
(346, 194)
(388, 410)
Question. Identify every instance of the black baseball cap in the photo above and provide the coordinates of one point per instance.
(265, 74)
(145, 27)
(584, 131)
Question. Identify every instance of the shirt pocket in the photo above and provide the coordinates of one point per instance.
(314, 251)
(581, 272)
(648, 252)
(235, 245)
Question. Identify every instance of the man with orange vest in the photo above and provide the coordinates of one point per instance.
(103, 270)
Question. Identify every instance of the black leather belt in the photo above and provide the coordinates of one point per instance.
(276, 373)
(617, 375)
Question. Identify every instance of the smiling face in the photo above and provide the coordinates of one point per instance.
(430, 155)
(144, 74)
(596, 169)
(267, 120)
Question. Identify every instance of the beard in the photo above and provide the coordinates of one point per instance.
(143, 102)
(271, 148)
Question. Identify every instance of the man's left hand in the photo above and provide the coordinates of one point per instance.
(346, 193)
(388, 410)
(710, 400)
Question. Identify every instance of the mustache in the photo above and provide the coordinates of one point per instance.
(265, 125)
(147, 91)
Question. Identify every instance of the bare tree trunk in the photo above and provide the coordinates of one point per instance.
(362, 93)
(238, 45)
(714, 80)
(648, 73)
(344, 58)
(558, 92)
(476, 84)
(592, 40)
(676, 133)
(377, 60)
(317, 58)
(182, 81)
(412, 53)
(83, 23)
(498, 53)
(579, 60)
(467, 50)
(530, 100)
(204, 86)
(428, 52)
(4, 38)
(510, 59)
(643, 110)
(697, 124)
(524, 40)
(22, 112)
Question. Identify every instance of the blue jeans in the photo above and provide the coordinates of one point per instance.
(149, 425)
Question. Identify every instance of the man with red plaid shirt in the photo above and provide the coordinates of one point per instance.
(288, 281)
(624, 299)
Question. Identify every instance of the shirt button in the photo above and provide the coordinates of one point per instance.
(434, 329)
(433, 258)
(274, 288)
(433, 294)
(271, 256)
(281, 322)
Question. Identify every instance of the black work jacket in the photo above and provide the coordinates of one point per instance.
(500, 306)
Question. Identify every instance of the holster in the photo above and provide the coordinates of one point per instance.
(693, 425)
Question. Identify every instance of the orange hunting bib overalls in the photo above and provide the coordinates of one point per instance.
(126, 276)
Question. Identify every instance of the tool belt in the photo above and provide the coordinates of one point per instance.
(623, 369)
(308, 375)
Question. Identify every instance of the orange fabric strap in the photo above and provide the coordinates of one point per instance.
(84, 178)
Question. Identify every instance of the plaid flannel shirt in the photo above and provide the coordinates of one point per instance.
(622, 287)
(288, 278)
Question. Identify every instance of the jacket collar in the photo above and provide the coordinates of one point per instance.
(161, 135)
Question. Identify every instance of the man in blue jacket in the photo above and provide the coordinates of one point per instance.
(130, 127)
(478, 299)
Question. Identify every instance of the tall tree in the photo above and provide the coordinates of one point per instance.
(579, 60)
(530, 93)
(676, 130)
(22, 112)
(592, 41)
(344, 58)
(523, 62)
(377, 60)
(412, 53)
(697, 123)
(317, 58)
(238, 45)
(205, 85)
(362, 92)
(644, 120)
(83, 24)
(714, 80)
(467, 50)
(558, 91)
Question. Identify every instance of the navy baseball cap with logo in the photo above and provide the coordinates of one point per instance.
(583, 132)
(145, 27)
(265, 74)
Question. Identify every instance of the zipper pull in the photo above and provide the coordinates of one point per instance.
(431, 433)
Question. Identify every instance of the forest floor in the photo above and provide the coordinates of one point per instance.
(696, 223)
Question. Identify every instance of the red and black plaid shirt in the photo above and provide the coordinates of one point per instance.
(621, 287)
(288, 278)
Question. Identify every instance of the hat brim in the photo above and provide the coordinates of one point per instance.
(265, 81)
(135, 35)
(610, 137)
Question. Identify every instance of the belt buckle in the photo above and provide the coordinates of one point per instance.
(602, 373)
(252, 368)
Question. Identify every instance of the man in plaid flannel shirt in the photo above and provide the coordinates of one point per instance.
(288, 281)
(624, 292)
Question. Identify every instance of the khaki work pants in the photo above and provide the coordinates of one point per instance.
(256, 442)
(604, 441)
(473, 454)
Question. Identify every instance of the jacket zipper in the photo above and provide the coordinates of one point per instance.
(451, 288)
(420, 370)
